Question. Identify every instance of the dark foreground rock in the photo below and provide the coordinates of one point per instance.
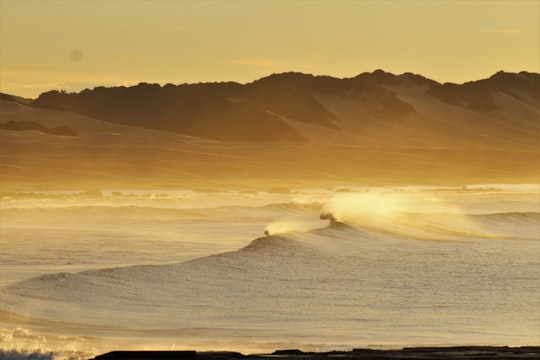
(459, 352)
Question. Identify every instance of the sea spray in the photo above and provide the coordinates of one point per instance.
(409, 215)
(25, 344)
(24, 355)
(351, 207)
(284, 226)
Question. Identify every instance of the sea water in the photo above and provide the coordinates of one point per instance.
(83, 273)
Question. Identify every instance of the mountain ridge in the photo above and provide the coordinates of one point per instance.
(273, 108)
(287, 129)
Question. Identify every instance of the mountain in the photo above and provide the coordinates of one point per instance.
(503, 108)
(15, 98)
(281, 130)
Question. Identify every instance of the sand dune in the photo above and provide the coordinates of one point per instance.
(376, 109)
(376, 128)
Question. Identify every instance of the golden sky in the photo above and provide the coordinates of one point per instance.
(79, 44)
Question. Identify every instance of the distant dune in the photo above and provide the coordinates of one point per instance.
(284, 128)
(375, 107)
(32, 126)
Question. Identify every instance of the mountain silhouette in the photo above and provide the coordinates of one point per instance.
(478, 95)
(283, 129)
(274, 108)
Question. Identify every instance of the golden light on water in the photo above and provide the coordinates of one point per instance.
(132, 216)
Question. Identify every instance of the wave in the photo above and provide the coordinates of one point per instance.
(25, 344)
(444, 226)
(511, 225)
(17, 355)
(278, 262)
(399, 268)
(103, 214)
(362, 280)
(271, 260)
(520, 218)
(165, 296)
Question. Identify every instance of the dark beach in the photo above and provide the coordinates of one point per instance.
(458, 352)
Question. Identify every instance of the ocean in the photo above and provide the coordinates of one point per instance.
(86, 272)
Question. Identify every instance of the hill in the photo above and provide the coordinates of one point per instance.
(280, 130)
(374, 107)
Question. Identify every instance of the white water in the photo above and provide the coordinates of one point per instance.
(82, 274)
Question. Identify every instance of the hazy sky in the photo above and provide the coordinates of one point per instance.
(76, 44)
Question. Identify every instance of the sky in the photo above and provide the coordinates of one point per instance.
(76, 44)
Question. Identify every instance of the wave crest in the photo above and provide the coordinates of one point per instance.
(16, 355)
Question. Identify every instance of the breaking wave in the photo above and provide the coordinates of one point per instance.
(16, 355)
(237, 286)
(380, 270)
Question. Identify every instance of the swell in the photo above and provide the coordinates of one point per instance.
(178, 295)
(153, 290)
(524, 218)
(126, 213)
(297, 283)
(451, 226)
(225, 288)
(270, 255)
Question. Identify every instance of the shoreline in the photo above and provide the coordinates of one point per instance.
(453, 352)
